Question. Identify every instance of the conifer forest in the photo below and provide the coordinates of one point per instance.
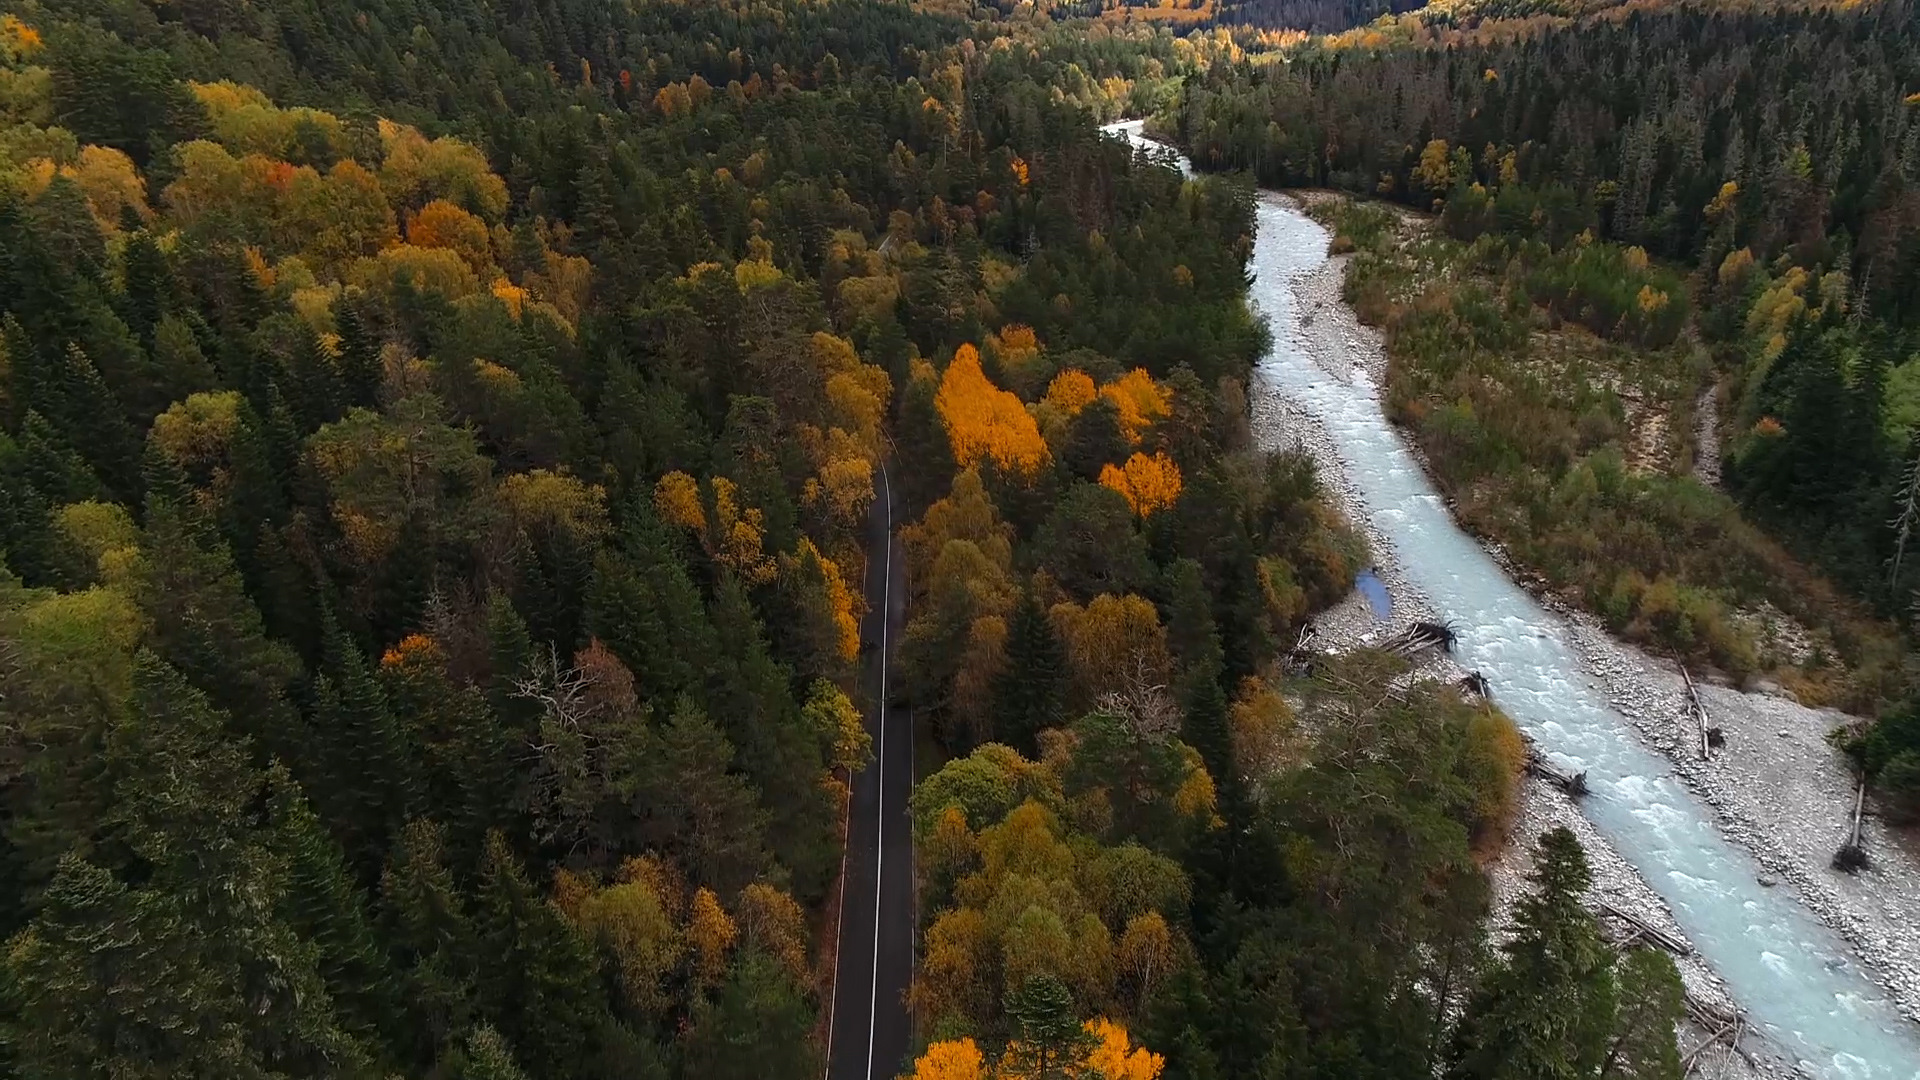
(441, 442)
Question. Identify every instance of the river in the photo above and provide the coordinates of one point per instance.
(1794, 977)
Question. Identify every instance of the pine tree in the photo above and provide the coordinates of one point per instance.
(198, 978)
(1548, 1010)
(758, 1026)
(205, 624)
(1050, 1036)
(646, 608)
(488, 1057)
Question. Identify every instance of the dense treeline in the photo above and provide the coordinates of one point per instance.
(1770, 156)
(434, 442)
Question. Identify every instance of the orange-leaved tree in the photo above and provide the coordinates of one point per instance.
(1108, 1053)
(984, 421)
(1149, 483)
(1139, 401)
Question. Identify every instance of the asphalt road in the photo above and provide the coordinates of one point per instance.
(868, 1032)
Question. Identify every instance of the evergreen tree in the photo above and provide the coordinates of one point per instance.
(1048, 1027)
(199, 977)
(431, 937)
(1553, 1007)
(537, 978)
(325, 906)
(1030, 692)
(365, 756)
(757, 1026)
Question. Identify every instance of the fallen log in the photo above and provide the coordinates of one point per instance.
(1574, 784)
(1642, 929)
(1852, 858)
(1699, 710)
(1476, 684)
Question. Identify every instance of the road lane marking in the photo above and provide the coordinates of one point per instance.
(880, 802)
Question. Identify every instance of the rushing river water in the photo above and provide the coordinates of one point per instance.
(1793, 976)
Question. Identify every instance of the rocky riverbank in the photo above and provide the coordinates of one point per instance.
(1779, 790)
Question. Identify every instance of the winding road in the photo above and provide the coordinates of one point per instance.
(868, 1030)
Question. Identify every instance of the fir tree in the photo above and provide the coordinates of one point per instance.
(1030, 692)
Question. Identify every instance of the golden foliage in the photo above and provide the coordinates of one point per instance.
(773, 921)
(556, 503)
(440, 224)
(958, 1059)
(1195, 797)
(510, 294)
(1435, 171)
(676, 497)
(1109, 1054)
(835, 720)
(738, 531)
(1070, 391)
(1145, 952)
(1139, 401)
(712, 934)
(730, 533)
(416, 171)
(414, 650)
(18, 41)
(1736, 266)
(1147, 483)
(1113, 638)
(196, 432)
(817, 579)
(435, 270)
(966, 513)
(1113, 1056)
(629, 920)
(986, 422)
(1262, 727)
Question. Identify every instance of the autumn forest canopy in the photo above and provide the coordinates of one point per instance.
(436, 447)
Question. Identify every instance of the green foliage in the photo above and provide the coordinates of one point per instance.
(1562, 1004)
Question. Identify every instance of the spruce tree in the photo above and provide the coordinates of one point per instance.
(1547, 1012)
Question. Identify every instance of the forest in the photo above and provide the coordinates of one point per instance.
(435, 440)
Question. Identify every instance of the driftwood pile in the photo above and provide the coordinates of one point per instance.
(1420, 637)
